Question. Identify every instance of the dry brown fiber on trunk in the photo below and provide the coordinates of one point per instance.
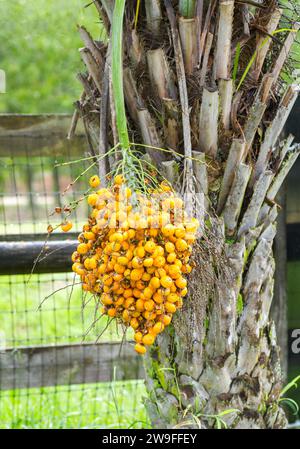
(205, 79)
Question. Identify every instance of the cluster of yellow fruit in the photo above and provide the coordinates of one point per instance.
(135, 255)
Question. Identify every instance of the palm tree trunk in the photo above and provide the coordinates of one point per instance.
(203, 79)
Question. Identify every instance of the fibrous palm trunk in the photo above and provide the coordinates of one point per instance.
(203, 79)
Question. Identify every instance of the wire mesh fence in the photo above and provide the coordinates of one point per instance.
(53, 374)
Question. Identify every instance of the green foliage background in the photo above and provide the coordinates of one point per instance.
(39, 53)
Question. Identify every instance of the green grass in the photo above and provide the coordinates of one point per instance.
(115, 405)
(60, 320)
(61, 317)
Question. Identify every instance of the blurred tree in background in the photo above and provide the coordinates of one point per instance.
(39, 53)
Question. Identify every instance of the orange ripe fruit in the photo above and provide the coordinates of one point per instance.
(171, 257)
(122, 260)
(159, 261)
(118, 180)
(112, 312)
(140, 252)
(166, 281)
(155, 282)
(172, 297)
(119, 301)
(116, 237)
(160, 272)
(183, 292)
(168, 230)
(137, 263)
(92, 199)
(150, 247)
(93, 263)
(148, 292)
(89, 235)
(166, 319)
(170, 307)
(82, 248)
(149, 305)
(180, 232)
(94, 181)
(134, 323)
(181, 245)
(136, 293)
(140, 349)
(148, 339)
(170, 247)
(78, 268)
(146, 277)
(106, 299)
(158, 327)
(174, 271)
(128, 293)
(181, 282)
(159, 251)
(128, 303)
(136, 274)
(139, 305)
(148, 262)
(66, 226)
(158, 298)
(86, 263)
(126, 315)
(138, 336)
(153, 232)
(131, 234)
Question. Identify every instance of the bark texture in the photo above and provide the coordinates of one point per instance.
(188, 87)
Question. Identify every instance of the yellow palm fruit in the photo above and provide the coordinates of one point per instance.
(146, 277)
(158, 328)
(93, 263)
(134, 323)
(92, 199)
(106, 299)
(171, 258)
(128, 293)
(138, 336)
(166, 281)
(136, 274)
(150, 247)
(172, 297)
(118, 180)
(139, 305)
(112, 312)
(128, 302)
(158, 298)
(149, 305)
(181, 245)
(148, 339)
(137, 263)
(166, 319)
(148, 262)
(148, 292)
(155, 282)
(65, 227)
(82, 248)
(181, 282)
(140, 349)
(170, 307)
(94, 181)
(126, 315)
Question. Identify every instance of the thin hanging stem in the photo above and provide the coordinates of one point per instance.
(117, 72)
